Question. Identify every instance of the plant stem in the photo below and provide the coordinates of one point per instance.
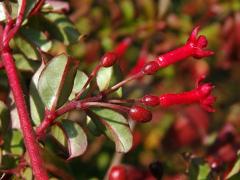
(121, 101)
(82, 104)
(92, 75)
(25, 122)
(120, 84)
(11, 32)
(29, 136)
(48, 119)
(51, 116)
(107, 105)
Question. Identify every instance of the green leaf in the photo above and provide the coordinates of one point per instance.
(59, 135)
(107, 77)
(5, 128)
(76, 137)
(30, 5)
(115, 126)
(4, 118)
(79, 81)
(56, 81)
(23, 64)
(235, 169)
(199, 170)
(17, 143)
(36, 38)
(11, 7)
(28, 49)
(117, 77)
(104, 77)
(36, 104)
(60, 28)
(27, 174)
(127, 9)
(92, 127)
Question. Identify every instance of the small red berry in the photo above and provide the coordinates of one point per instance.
(150, 100)
(109, 59)
(139, 114)
(117, 173)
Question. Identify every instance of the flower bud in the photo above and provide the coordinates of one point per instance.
(150, 100)
(109, 59)
(139, 114)
(151, 68)
(117, 173)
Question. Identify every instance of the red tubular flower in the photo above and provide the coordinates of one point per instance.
(142, 59)
(201, 94)
(194, 47)
(122, 47)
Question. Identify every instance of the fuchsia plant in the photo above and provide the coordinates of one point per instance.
(135, 109)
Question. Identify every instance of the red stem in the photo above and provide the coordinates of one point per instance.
(51, 116)
(92, 75)
(29, 136)
(25, 122)
(48, 119)
(120, 84)
(121, 101)
(18, 24)
(107, 105)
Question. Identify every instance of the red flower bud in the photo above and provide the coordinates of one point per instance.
(118, 173)
(150, 68)
(139, 114)
(109, 59)
(150, 100)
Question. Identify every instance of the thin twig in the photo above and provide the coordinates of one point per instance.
(90, 78)
(120, 84)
